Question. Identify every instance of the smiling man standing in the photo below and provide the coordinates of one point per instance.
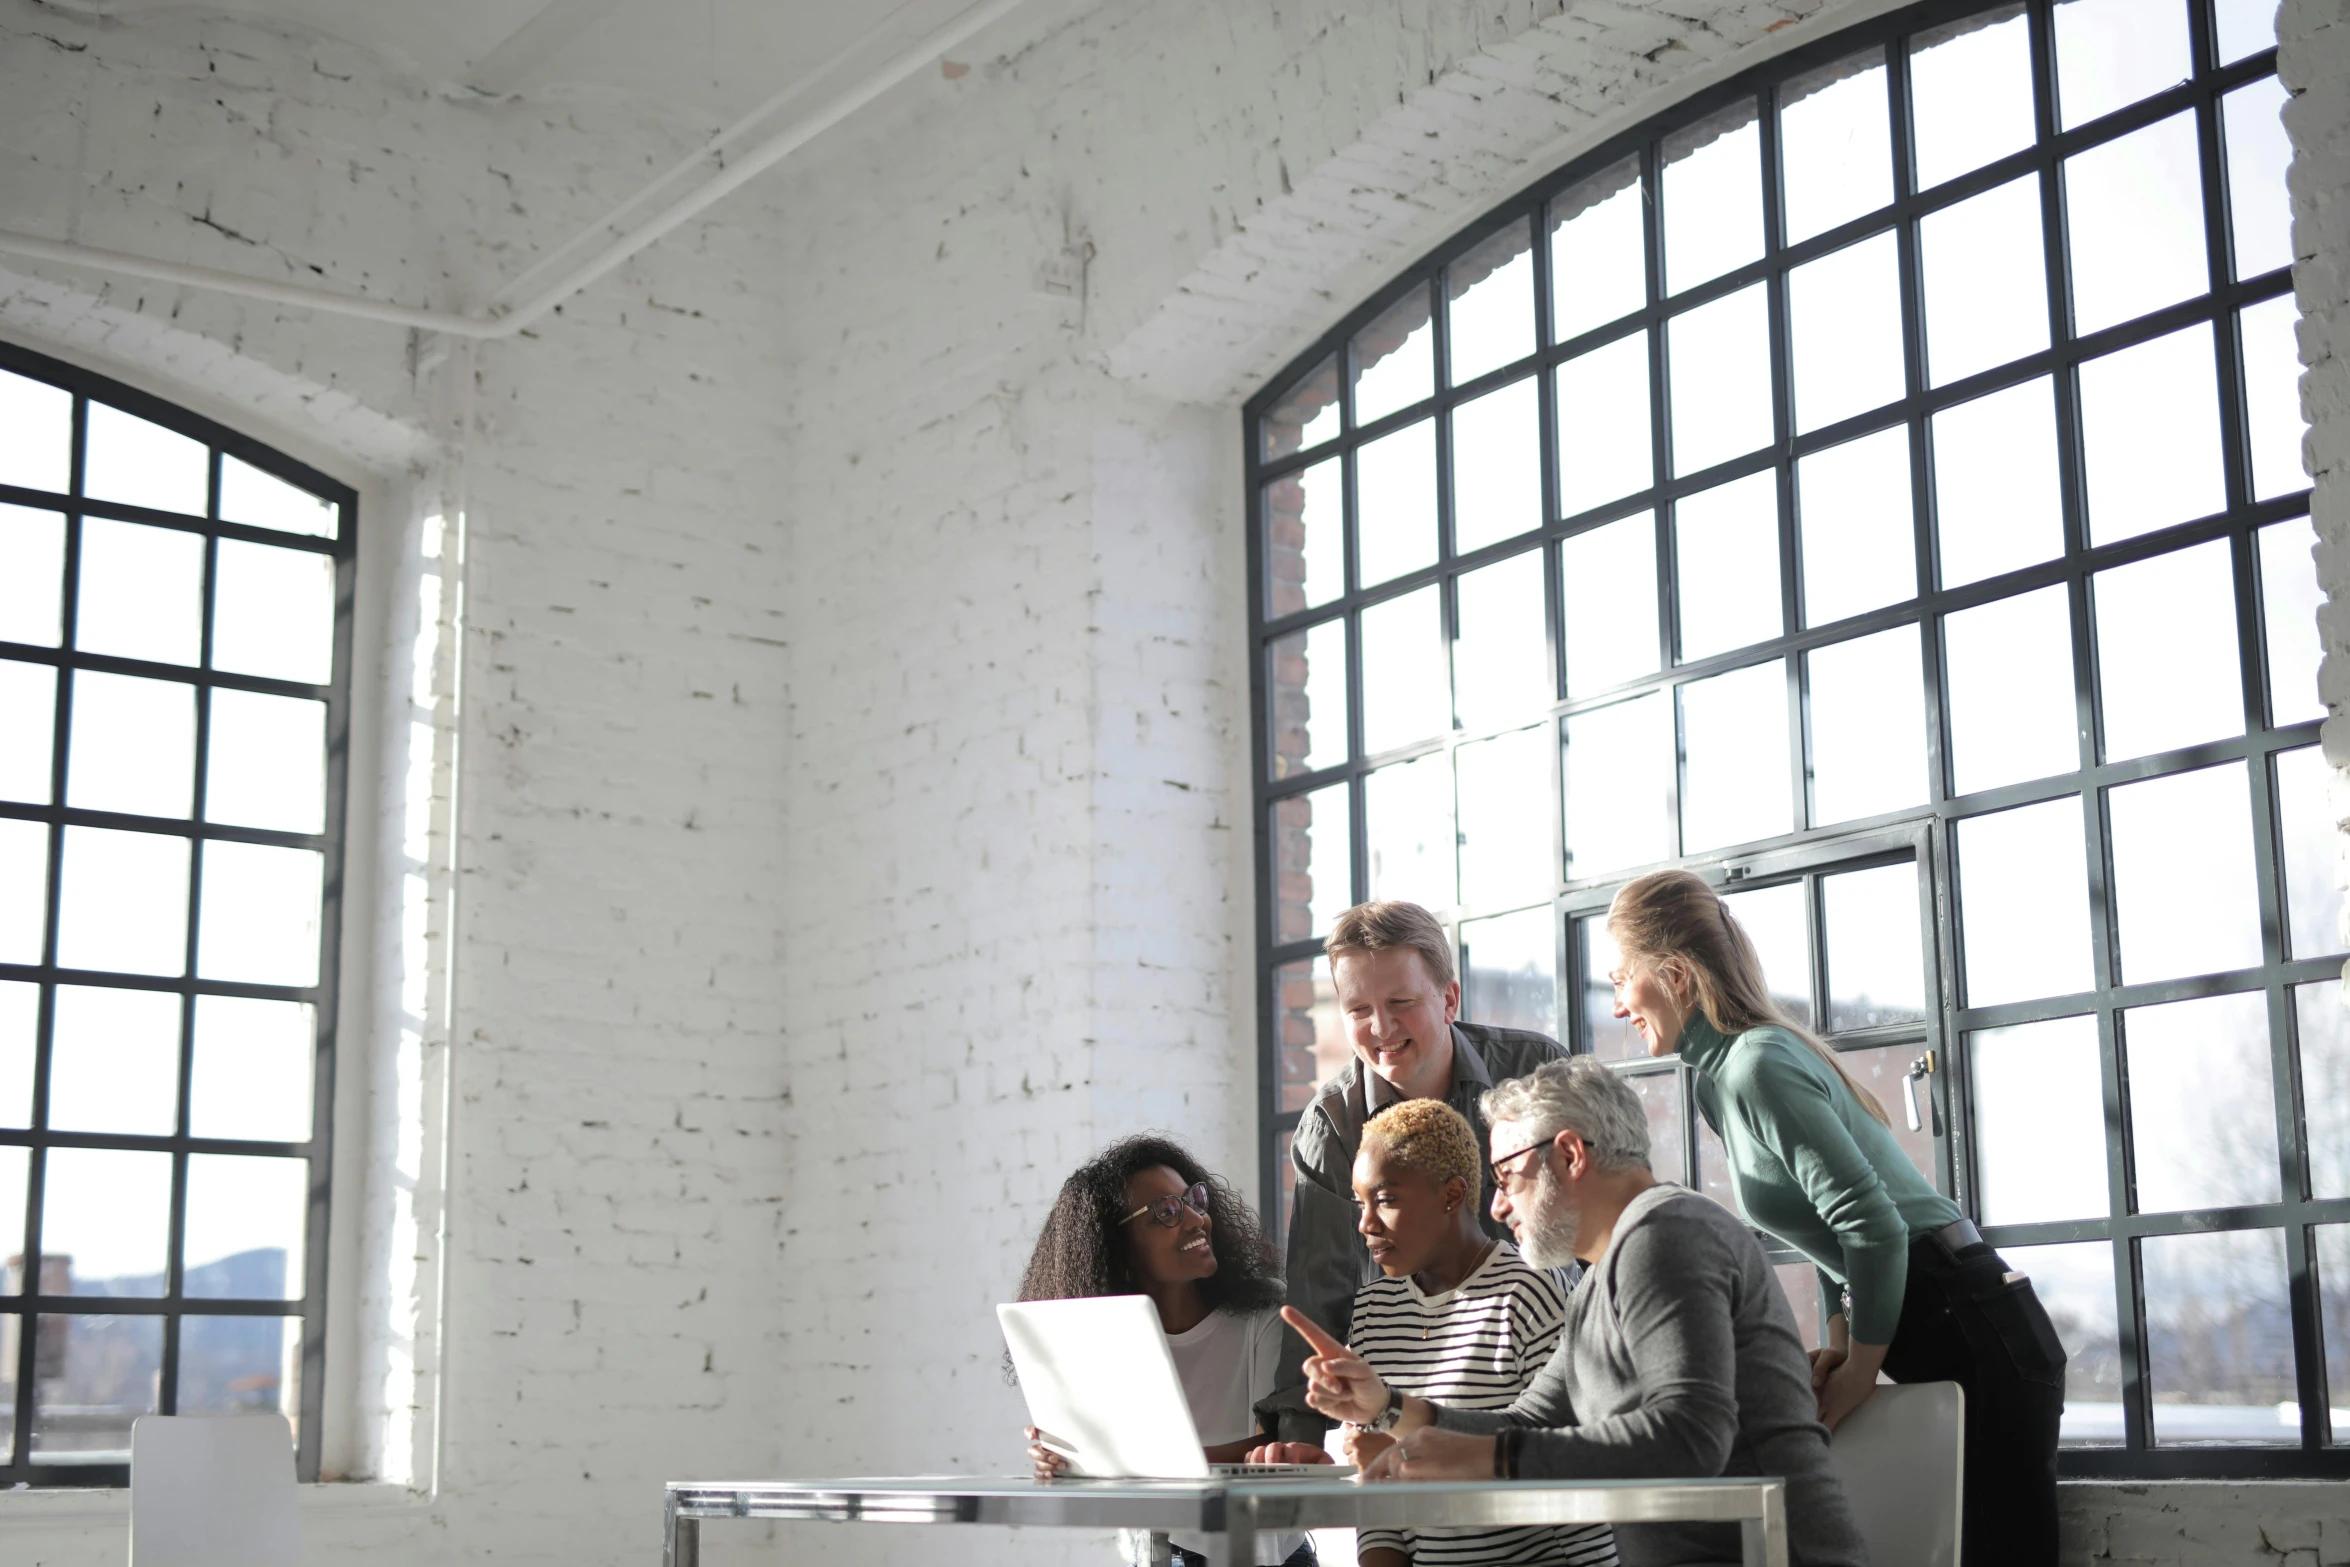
(1400, 998)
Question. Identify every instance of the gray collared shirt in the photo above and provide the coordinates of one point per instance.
(1327, 1259)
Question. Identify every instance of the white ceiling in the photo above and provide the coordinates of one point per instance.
(715, 57)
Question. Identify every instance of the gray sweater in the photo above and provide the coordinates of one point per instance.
(1679, 1357)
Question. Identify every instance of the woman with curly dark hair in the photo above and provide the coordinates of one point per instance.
(1143, 1218)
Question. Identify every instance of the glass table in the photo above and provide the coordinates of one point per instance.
(1228, 1509)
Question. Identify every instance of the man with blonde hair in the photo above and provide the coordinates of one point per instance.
(1400, 998)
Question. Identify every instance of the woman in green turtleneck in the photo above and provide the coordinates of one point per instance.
(1813, 1161)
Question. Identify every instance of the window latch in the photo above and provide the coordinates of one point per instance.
(1921, 1067)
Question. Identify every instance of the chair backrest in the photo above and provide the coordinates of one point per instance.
(1902, 1457)
(214, 1491)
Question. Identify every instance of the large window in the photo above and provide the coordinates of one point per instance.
(174, 678)
(1877, 484)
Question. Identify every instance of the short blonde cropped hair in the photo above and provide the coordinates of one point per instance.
(1429, 1136)
(1375, 927)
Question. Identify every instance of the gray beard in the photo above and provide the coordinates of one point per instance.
(1554, 1225)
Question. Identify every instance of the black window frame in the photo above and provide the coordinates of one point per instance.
(2318, 1456)
(309, 1309)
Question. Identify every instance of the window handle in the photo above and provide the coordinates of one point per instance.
(1921, 1067)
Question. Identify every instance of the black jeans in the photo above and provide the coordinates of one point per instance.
(1962, 1321)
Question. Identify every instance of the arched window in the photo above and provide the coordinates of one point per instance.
(1875, 483)
(174, 707)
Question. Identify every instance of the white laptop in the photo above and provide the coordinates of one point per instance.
(1103, 1393)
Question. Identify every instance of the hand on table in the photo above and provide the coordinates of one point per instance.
(1433, 1453)
(1046, 1464)
(1363, 1446)
(1287, 1453)
(1339, 1384)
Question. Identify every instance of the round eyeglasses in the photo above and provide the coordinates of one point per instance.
(1167, 1212)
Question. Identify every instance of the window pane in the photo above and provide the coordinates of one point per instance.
(1856, 526)
(1408, 819)
(2167, 663)
(133, 745)
(1619, 786)
(1734, 734)
(1313, 1036)
(105, 1220)
(2075, 1285)
(1800, 1283)
(2325, 1090)
(1611, 631)
(1882, 1070)
(1726, 565)
(14, 1164)
(2134, 222)
(1490, 309)
(1511, 968)
(2184, 897)
(124, 903)
(1306, 415)
(2013, 714)
(1496, 467)
(114, 1061)
(36, 434)
(20, 1016)
(1986, 281)
(2245, 27)
(1713, 1165)
(1776, 921)
(1312, 850)
(1505, 820)
(1876, 961)
(1611, 1038)
(1834, 154)
(2202, 1117)
(143, 464)
(24, 890)
(1501, 659)
(274, 613)
(1395, 359)
(1395, 503)
(1713, 197)
(1404, 678)
(263, 500)
(2111, 53)
(260, 917)
(2039, 1121)
(2288, 608)
(1598, 259)
(102, 1374)
(1997, 503)
(2150, 436)
(1868, 726)
(241, 1366)
(2219, 1340)
(2260, 214)
(2333, 1283)
(1305, 539)
(1660, 1097)
(2309, 836)
(1603, 418)
(252, 1070)
(28, 716)
(2272, 397)
(142, 592)
(245, 1223)
(2024, 908)
(1720, 359)
(32, 592)
(1307, 692)
(1845, 337)
(1970, 90)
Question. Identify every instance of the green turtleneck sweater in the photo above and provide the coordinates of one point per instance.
(1812, 1167)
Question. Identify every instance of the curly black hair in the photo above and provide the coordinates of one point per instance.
(1082, 1250)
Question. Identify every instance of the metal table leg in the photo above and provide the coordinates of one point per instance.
(1763, 1539)
(681, 1538)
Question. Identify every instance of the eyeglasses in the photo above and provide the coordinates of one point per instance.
(1167, 1212)
(1499, 1169)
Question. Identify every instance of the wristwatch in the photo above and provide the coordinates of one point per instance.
(1386, 1418)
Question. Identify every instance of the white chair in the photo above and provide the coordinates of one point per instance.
(214, 1492)
(1902, 1458)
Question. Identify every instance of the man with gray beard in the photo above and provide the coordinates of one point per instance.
(1679, 1355)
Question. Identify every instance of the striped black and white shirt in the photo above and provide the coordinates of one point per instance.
(1475, 1346)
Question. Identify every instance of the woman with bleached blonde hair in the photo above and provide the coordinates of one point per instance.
(1813, 1161)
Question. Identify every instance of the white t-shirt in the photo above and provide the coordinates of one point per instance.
(1226, 1364)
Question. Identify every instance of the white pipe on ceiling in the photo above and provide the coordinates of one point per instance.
(508, 316)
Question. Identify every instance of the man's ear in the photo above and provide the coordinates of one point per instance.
(1574, 1153)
